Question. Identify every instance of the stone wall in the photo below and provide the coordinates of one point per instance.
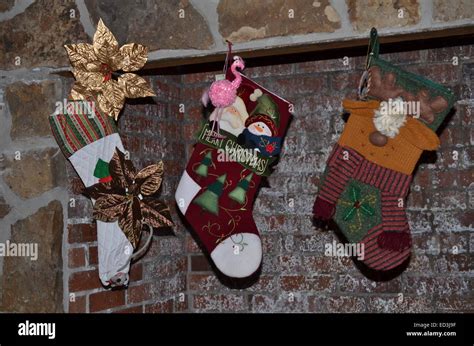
(33, 193)
(40, 200)
(36, 31)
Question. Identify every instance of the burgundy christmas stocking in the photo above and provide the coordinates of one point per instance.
(217, 190)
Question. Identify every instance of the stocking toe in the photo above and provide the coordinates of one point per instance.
(239, 255)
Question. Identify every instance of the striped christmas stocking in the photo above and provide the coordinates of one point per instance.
(365, 184)
(89, 142)
(124, 199)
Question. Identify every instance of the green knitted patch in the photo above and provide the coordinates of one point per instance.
(358, 210)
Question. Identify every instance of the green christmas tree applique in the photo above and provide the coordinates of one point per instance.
(209, 199)
(204, 165)
(240, 192)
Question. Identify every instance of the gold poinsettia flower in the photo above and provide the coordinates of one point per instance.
(94, 65)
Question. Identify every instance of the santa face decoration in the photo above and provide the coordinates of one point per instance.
(233, 118)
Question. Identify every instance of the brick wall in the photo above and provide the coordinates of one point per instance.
(296, 276)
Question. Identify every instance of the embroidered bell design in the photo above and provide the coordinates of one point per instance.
(208, 200)
(239, 193)
(204, 165)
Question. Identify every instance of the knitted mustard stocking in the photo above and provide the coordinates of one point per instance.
(366, 184)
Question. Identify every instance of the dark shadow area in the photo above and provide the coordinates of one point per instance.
(446, 120)
(381, 276)
(163, 232)
(140, 101)
(345, 116)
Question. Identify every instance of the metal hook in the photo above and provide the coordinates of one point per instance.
(370, 48)
(227, 58)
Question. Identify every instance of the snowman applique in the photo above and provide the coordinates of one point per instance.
(261, 128)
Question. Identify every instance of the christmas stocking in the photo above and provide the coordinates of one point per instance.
(124, 199)
(217, 190)
(369, 170)
(89, 142)
(365, 185)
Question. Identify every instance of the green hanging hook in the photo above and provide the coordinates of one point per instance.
(373, 49)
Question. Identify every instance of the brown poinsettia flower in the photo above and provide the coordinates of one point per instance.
(129, 198)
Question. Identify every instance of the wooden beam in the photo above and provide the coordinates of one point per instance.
(295, 49)
(312, 47)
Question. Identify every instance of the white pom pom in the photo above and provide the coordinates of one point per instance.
(389, 120)
(255, 95)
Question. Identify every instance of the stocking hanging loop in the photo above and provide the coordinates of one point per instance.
(145, 247)
(363, 86)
